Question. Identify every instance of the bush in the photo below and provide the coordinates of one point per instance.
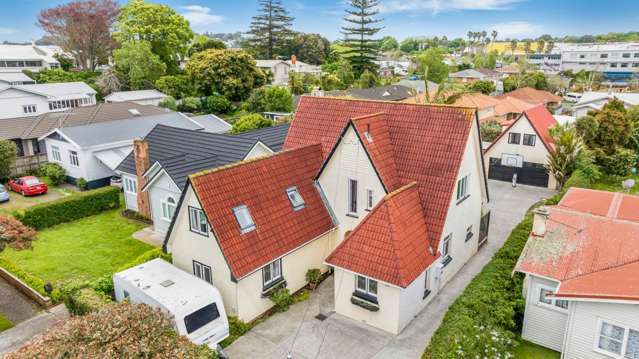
(490, 130)
(270, 99)
(15, 234)
(81, 301)
(282, 299)
(313, 276)
(121, 330)
(8, 152)
(237, 328)
(217, 103)
(82, 184)
(176, 86)
(249, 122)
(190, 104)
(70, 208)
(54, 172)
(35, 283)
(619, 163)
(486, 87)
(168, 102)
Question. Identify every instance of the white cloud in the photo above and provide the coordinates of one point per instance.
(7, 31)
(516, 28)
(445, 5)
(201, 15)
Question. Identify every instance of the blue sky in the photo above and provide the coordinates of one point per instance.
(402, 18)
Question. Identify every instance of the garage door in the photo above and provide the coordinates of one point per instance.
(533, 174)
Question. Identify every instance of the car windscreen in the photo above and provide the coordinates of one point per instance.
(31, 182)
(2, 189)
(201, 317)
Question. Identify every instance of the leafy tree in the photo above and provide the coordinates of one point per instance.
(410, 45)
(331, 82)
(167, 31)
(490, 130)
(535, 80)
(65, 62)
(486, 61)
(57, 75)
(83, 29)
(8, 152)
(362, 50)
(249, 122)
(231, 73)
(108, 82)
(296, 83)
(205, 45)
(177, 86)
(310, 48)
(563, 157)
(270, 30)
(217, 103)
(190, 104)
(367, 80)
(54, 172)
(270, 99)
(431, 63)
(484, 86)
(141, 66)
(168, 102)
(388, 43)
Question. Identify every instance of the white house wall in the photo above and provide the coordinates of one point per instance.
(130, 199)
(544, 325)
(257, 151)
(161, 189)
(412, 300)
(64, 148)
(12, 100)
(582, 332)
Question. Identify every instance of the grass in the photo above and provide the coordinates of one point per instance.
(5, 323)
(80, 250)
(612, 183)
(18, 201)
(528, 350)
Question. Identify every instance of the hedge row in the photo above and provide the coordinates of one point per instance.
(32, 281)
(69, 209)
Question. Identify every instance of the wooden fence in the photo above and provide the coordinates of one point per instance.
(28, 163)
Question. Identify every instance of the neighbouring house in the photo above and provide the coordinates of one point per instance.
(523, 149)
(212, 123)
(35, 99)
(279, 69)
(420, 86)
(389, 67)
(472, 75)
(509, 69)
(535, 97)
(15, 78)
(93, 151)
(596, 100)
(581, 287)
(484, 104)
(141, 97)
(378, 93)
(509, 108)
(155, 173)
(15, 58)
(357, 179)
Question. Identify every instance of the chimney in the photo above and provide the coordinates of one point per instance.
(141, 154)
(293, 59)
(539, 221)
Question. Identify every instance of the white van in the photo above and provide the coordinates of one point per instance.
(195, 306)
(573, 97)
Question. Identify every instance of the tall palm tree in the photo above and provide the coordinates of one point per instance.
(527, 46)
(541, 44)
(562, 159)
(549, 46)
(513, 46)
(494, 35)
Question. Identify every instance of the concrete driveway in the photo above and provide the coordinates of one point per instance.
(300, 333)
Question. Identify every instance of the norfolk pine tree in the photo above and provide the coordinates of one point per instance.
(270, 30)
(362, 48)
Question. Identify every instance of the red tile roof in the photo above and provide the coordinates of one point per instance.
(391, 244)
(261, 185)
(590, 246)
(534, 96)
(541, 120)
(427, 142)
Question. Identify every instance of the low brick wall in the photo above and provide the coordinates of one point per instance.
(25, 289)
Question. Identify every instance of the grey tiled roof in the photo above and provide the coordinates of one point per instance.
(273, 137)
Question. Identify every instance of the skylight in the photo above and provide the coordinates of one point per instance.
(244, 219)
(167, 283)
(368, 136)
(296, 199)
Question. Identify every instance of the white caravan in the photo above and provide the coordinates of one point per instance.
(195, 306)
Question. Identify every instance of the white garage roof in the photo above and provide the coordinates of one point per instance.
(112, 158)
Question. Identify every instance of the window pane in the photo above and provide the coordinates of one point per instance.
(267, 274)
(352, 196)
(372, 286)
(361, 283)
(561, 303)
(610, 345)
(542, 296)
(632, 348)
(612, 331)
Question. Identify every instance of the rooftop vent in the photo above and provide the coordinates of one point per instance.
(167, 283)
(134, 112)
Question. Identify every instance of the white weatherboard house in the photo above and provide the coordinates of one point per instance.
(280, 69)
(523, 149)
(582, 284)
(15, 78)
(93, 151)
(15, 58)
(596, 100)
(357, 188)
(141, 97)
(35, 99)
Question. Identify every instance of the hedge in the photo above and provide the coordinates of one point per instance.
(81, 301)
(34, 282)
(70, 208)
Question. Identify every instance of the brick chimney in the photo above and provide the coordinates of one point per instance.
(293, 60)
(141, 154)
(540, 216)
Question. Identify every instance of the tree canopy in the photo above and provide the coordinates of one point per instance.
(249, 122)
(205, 45)
(271, 99)
(310, 48)
(431, 63)
(362, 49)
(139, 65)
(270, 30)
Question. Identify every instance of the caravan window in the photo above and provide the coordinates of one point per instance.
(201, 317)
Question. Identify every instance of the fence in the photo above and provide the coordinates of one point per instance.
(28, 163)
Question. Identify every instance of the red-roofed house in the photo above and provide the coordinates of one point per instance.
(523, 149)
(582, 276)
(391, 195)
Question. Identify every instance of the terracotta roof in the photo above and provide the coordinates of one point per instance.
(541, 120)
(510, 104)
(391, 244)
(427, 142)
(533, 96)
(261, 185)
(478, 100)
(590, 246)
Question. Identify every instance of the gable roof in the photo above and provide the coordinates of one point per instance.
(541, 121)
(10, 77)
(273, 136)
(182, 152)
(478, 100)
(56, 91)
(427, 142)
(533, 96)
(120, 96)
(379, 93)
(212, 123)
(391, 243)
(508, 104)
(591, 246)
(589, 97)
(261, 185)
(419, 85)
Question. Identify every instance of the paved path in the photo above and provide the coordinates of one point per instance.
(16, 337)
(299, 332)
(14, 305)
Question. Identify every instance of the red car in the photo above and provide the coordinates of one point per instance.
(28, 186)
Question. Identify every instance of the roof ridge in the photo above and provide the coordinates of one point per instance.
(400, 190)
(363, 117)
(606, 268)
(435, 105)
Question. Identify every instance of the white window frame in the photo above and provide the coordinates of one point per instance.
(530, 137)
(74, 160)
(518, 138)
(446, 246)
(352, 197)
(469, 233)
(200, 270)
(197, 221)
(553, 301)
(29, 109)
(56, 154)
(462, 188)
(168, 208)
(427, 283)
(130, 185)
(274, 270)
(624, 342)
(296, 199)
(248, 227)
(369, 199)
(367, 291)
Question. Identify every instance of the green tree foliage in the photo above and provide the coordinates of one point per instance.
(65, 62)
(331, 82)
(217, 103)
(167, 31)
(486, 61)
(205, 45)
(54, 172)
(250, 122)
(535, 80)
(388, 43)
(410, 45)
(139, 64)
(296, 83)
(431, 63)
(310, 48)
(562, 159)
(362, 49)
(490, 130)
(59, 75)
(231, 73)
(168, 102)
(484, 86)
(270, 30)
(270, 99)
(367, 80)
(176, 86)
(8, 151)
(190, 105)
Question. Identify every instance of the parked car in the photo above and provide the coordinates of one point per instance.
(572, 97)
(116, 181)
(4, 194)
(28, 186)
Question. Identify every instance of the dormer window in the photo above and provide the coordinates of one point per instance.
(296, 199)
(244, 219)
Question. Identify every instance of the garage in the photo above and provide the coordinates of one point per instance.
(529, 173)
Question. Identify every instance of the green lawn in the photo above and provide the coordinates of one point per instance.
(84, 249)
(609, 183)
(528, 350)
(5, 323)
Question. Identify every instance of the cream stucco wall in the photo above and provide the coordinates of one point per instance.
(160, 190)
(258, 150)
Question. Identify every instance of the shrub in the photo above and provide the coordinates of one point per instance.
(190, 104)
(313, 276)
(168, 102)
(250, 122)
(81, 301)
(619, 163)
(270, 99)
(490, 130)
(217, 103)
(15, 234)
(116, 331)
(70, 208)
(176, 86)
(35, 283)
(486, 87)
(54, 172)
(82, 184)
(8, 152)
(282, 299)
(237, 328)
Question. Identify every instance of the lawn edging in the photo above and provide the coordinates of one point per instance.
(31, 286)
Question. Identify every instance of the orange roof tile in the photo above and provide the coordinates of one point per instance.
(478, 100)
(391, 243)
(261, 185)
(533, 96)
(509, 104)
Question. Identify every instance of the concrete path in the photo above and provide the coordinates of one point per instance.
(14, 305)
(16, 337)
(148, 236)
(299, 331)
